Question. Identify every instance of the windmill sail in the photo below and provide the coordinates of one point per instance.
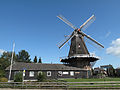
(92, 39)
(87, 23)
(64, 42)
(66, 21)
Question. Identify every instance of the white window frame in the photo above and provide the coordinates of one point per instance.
(59, 73)
(71, 73)
(65, 72)
(31, 74)
(48, 73)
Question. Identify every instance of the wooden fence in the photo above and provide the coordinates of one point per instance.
(63, 85)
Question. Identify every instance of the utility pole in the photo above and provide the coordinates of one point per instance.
(11, 62)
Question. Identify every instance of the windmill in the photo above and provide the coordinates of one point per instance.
(78, 54)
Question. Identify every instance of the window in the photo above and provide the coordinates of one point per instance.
(40, 72)
(77, 72)
(71, 73)
(59, 73)
(31, 73)
(79, 46)
(65, 72)
(48, 73)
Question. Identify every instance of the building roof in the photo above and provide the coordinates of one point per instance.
(106, 66)
(40, 66)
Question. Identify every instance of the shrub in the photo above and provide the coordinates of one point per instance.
(18, 77)
(2, 73)
(3, 79)
(41, 77)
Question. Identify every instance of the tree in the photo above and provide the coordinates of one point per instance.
(35, 59)
(4, 63)
(5, 60)
(2, 73)
(40, 61)
(23, 56)
(8, 55)
(18, 77)
(41, 77)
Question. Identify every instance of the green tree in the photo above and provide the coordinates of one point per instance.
(18, 77)
(8, 55)
(40, 61)
(35, 59)
(23, 56)
(5, 60)
(4, 63)
(41, 77)
(2, 73)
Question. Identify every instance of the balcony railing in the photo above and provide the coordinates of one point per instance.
(80, 55)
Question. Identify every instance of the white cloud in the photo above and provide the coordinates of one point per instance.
(1, 51)
(114, 49)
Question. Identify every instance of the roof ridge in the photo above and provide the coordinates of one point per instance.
(40, 63)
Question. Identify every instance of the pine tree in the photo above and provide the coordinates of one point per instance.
(35, 59)
(40, 61)
(23, 56)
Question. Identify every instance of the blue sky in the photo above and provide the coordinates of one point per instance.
(33, 26)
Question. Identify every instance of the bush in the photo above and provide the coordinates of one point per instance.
(3, 79)
(18, 77)
(2, 73)
(41, 77)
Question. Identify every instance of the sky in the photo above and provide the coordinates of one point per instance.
(34, 27)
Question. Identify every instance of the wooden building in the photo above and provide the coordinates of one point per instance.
(52, 71)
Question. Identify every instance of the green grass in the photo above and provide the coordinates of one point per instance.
(69, 84)
(91, 80)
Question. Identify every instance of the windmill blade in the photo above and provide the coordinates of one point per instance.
(66, 21)
(64, 42)
(66, 36)
(92, 39)
(87, 23)
(92, 43)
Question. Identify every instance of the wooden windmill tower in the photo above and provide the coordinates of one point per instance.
(78, 54)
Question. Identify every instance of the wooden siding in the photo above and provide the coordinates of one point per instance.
(54, 74)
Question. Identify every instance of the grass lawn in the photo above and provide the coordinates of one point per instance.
(93, 84)
(91, 80)
(83, 83)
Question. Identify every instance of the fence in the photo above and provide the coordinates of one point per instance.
(64, 85)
